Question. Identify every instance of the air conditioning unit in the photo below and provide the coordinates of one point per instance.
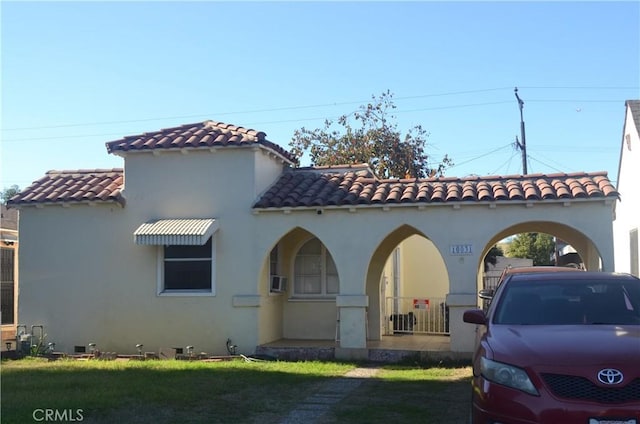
(278, 284)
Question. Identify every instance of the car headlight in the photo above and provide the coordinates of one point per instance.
(507, 375)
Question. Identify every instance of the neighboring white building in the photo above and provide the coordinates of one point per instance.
(627, 210)
(209, 234)
(493, 272)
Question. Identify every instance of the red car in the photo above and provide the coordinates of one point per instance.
(558, 348)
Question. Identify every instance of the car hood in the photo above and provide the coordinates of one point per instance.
(571, 345)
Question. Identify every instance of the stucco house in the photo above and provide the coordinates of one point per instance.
(627, 208)
(209, 234)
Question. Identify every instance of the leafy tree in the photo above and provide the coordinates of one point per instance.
(536, 246)
(8, 193)
(492, 256)
(370, 135)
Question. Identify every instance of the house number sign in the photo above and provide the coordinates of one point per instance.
(461, 249)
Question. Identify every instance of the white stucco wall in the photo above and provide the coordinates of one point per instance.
(627, 213)
(86, 280)
(73, 280)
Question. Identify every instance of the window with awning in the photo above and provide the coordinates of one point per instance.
(186, 254)
(175, 232)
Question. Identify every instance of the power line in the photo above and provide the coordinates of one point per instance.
(278, 109)
(571, 101)
(578, 88)
(481, 156)
(453, 107)
(300, 107)
(570, 149)
(251, 124)
(546, 164)
(12, 140)
(507, 162)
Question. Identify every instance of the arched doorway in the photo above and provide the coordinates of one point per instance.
(304, 306)
(584, 247)
(407, 284)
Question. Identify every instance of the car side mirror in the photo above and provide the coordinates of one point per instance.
(475, 316)
(486, 294)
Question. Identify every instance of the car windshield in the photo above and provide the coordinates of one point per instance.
(569, 302)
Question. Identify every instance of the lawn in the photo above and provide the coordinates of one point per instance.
(224, 392)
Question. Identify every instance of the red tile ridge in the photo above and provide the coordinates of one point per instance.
(86, 171)
(357, 170)
(197, 135)
(259, 135)
(330, 167)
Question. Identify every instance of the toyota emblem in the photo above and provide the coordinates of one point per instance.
(610, 376)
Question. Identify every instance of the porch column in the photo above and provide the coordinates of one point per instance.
(462, 335)
(352, 312)
(463, 271)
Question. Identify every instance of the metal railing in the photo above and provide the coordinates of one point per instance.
(490, 282)
(409, 315)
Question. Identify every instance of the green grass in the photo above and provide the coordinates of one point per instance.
(409, 394)
(224, 392)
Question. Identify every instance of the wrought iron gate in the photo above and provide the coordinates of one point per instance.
(409, 315)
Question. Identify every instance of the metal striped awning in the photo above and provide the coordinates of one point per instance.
(193, 232)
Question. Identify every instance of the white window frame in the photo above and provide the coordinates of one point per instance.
(323, 275)
(161, 291)
(275, 272)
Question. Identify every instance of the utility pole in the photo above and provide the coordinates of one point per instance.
(522, 145)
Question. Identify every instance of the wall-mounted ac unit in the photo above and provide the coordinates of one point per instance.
(278, 284)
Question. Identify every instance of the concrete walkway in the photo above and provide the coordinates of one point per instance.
(315, 406)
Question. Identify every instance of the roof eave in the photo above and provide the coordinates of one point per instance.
(458, 204)
(161, 150)
(121, 201)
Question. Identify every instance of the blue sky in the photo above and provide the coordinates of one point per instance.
(79, 74)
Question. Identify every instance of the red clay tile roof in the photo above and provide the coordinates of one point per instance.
(202, 134)
(85, 185)
(301, 188)
(342, 186)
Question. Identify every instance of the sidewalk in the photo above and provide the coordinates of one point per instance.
(315, 406)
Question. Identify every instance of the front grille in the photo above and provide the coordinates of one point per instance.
(574, 387)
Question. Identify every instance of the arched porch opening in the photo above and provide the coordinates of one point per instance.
(583, 245)
(298, 284)
(406, 283)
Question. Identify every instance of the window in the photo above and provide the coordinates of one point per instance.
(277, 282)
(315, 272)
(187, 269)
(273, 261)
(7, 285)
